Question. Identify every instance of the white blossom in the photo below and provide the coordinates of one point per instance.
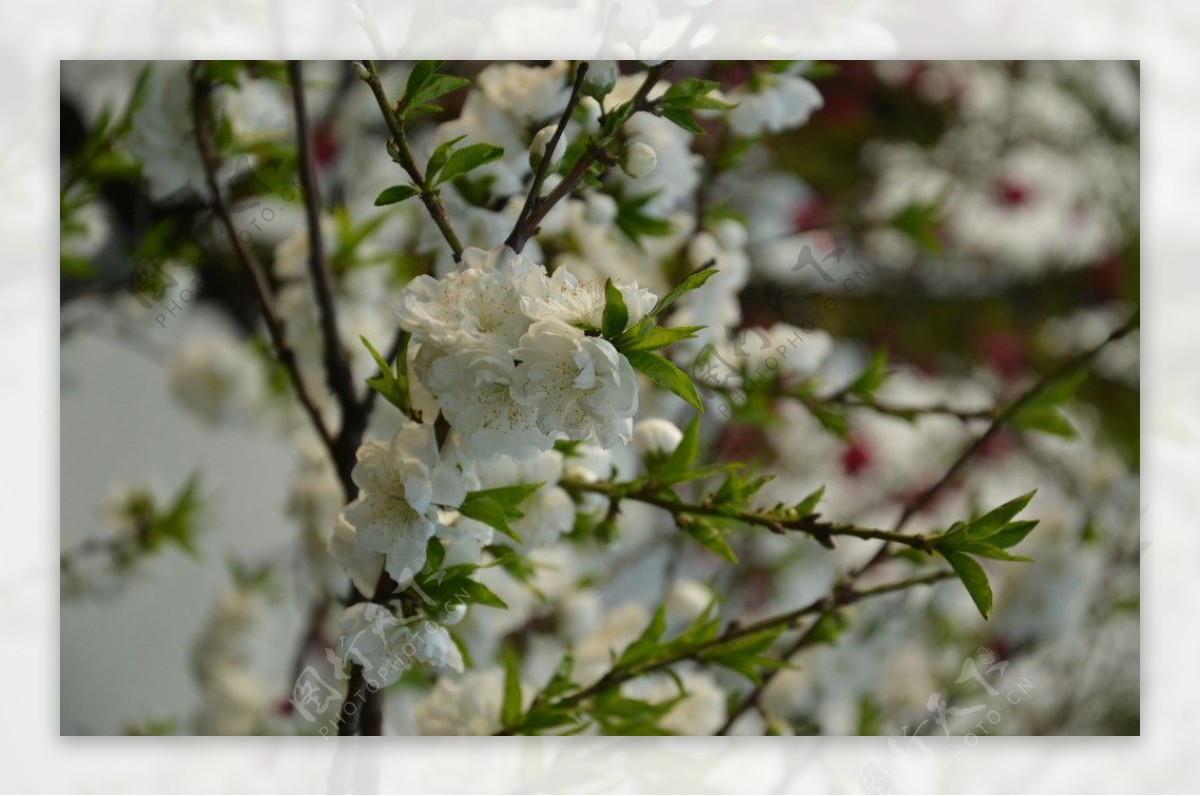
(579, 385)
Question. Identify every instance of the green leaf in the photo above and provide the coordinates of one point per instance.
(708, 536)
(418, 77)
(988, 550)
(636, 223)
(692, 282)
(435, 554)
(464, 160)
(655, 337)
(809, 504)
(666, 374)
(1012, 534)
(867, 382)
(973, 577)
(497, 507)
(1047, 420)
(392, 385)
(510, 711)
(475, 592)
(685, 454)
(920, 223)
(434, 87)
(616, 314)
(645, 645)
(998, 518)
(438, 159)
(397, 193)
(683, 119)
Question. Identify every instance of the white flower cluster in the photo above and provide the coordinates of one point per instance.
(513, 357)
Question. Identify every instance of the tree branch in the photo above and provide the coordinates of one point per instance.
(430, 198)
(536, 207)
(818, 529)
(840, 597)
(262, 288)
(337, 369)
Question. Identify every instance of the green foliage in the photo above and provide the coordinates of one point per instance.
(425, 85)
(1042, 411)
(461, 161)
(397, 193)
(872, 377)
(636, 223)
(498, 507)
(687, 95)
(988, 536)
(453, 585)
(616, 314)
(391, 383)
(666, 374)
(920, 223)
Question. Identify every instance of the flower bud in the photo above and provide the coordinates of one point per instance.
(656, 435)
(454, 614)
(638, 159)
(537, 150)
(601, 78)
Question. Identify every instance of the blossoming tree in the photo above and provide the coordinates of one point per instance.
(586, 440)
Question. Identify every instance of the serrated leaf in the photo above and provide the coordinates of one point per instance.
(973, 577)
(418, 77)
(436, 86)
(656, 337)
(988, 550)
(645, 644)
(666, 374)
(616, 314)
(497, 507)
(397, 193)
(708, 536)
(997, 518)
(461, 161)
(438, 159)
(683, 119)
(693, 281)
(1012, 534)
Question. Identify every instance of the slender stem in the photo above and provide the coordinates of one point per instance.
(429, 197)
(337, 369)
(1002, 417)
(521, 230)
(527, 224)
(822, 531)
(840, 597)
(248, 260)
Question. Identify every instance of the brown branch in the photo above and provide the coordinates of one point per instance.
(201, 91)
(1002, 417)
(521, 231)
(534, 212)
(404, 156)
(337, 369)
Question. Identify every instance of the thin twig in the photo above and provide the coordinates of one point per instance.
(527, 226)
(818, 529)
(247, 258)
(337, 369)
(520, 232)
(840, 597)
(1001, 419)
(429, 197)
